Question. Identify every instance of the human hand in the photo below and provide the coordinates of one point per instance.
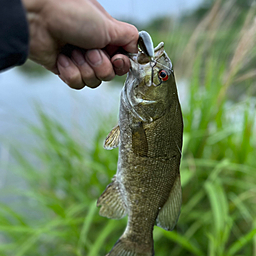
(94, 36)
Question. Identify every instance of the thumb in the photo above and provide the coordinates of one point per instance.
(124, 35)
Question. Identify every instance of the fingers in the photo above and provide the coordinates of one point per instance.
(69, 73)
(87, 73)
(100, 63)
(90, 68)
(121, 64)
(76, 72)
(124, 35)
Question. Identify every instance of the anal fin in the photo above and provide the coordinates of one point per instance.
(111, 202)
(169, 214)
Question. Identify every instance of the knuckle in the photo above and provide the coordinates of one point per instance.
(77, 86)
(74, 81)
(88, 75)
(93, 83)
(108, 78)
(71, 80)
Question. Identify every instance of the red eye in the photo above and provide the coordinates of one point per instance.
(163, 75)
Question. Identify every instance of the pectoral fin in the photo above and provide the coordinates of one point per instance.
(169, 214)
(111, 202)
(113, 138)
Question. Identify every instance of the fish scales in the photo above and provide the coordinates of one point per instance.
(146, 186)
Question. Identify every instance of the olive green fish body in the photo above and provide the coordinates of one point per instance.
(146, 186)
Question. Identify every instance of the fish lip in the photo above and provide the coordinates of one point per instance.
(135, 67)
(138, 71)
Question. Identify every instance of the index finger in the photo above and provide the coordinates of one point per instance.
(124, 35)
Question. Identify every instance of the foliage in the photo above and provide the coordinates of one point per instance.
(58, 214)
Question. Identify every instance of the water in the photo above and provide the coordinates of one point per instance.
(21, 94)
(81, 112)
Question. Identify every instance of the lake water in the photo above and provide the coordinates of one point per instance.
(81, 112)
(20, 94)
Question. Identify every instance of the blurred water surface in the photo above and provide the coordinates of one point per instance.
(22, 95)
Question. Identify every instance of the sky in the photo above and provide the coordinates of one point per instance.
(142, 11)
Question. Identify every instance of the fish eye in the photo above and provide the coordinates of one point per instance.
(162, 74)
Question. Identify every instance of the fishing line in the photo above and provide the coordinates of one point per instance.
(152, 65)
(163, 66)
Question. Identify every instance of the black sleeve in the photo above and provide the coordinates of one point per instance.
(14, 35)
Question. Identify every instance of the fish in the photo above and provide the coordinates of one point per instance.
(147, 185)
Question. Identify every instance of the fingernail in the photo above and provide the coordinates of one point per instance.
(63, 61)
(94, 57)
(118, 63)
(78, 57)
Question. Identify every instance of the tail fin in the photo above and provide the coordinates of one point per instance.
(125, 247)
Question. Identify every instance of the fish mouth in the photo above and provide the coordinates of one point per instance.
(142, 73)
(137, 75)
(142, 66)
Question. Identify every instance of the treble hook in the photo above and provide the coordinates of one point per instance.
(152, 64)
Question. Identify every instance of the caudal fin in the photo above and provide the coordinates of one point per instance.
(125, 247)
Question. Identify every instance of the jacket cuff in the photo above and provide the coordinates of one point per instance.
(14, 34)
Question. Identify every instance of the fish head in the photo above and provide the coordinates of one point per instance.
(150, 84)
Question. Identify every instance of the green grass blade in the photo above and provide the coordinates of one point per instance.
(96, 247)
(88, 222)
(241, 242)
(183, 241)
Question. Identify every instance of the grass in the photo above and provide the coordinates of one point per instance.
(57, 214)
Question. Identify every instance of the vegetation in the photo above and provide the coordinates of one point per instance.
(215, 62)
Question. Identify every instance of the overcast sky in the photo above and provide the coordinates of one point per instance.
(140, 11)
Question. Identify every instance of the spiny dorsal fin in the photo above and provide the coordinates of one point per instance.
(111, 202)
(169, 214)
(113, 138)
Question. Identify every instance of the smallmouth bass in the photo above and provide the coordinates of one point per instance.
(147, 184)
